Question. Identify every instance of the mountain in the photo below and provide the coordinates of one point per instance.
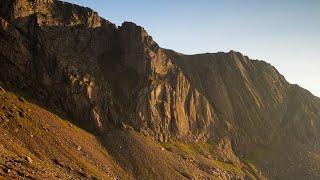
(145, 111)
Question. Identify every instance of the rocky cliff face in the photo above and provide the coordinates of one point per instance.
(50, 48)
(72, 59)
(103, 76)
(249, 96)
(266, 117)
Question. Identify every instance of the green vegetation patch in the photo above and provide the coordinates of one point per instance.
(191, 148)
(227, 167)
(201, 148)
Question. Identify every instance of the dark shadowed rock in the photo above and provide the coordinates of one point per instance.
(103, 76)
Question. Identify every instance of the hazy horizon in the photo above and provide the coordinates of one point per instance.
(286, 34)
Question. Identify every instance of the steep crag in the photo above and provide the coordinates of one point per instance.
(105, 77)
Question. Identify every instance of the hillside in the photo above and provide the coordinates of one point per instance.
(36, 143)
(148, 112)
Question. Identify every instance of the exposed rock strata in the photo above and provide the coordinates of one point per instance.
(101, 75)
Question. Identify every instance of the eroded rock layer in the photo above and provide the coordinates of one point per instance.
(103, 76)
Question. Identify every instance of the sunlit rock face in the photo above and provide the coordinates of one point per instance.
(77, 63)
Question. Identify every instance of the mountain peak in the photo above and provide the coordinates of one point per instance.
(50, 13)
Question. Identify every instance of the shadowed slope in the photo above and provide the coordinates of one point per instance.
(271, 122)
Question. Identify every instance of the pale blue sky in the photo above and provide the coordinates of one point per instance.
(284, 33)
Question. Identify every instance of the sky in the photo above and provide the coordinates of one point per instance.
(285, 33)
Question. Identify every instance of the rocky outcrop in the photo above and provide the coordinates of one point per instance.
(75, 62)
(167, 105)
(162, 101)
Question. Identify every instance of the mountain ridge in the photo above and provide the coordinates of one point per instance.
(105, 77)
